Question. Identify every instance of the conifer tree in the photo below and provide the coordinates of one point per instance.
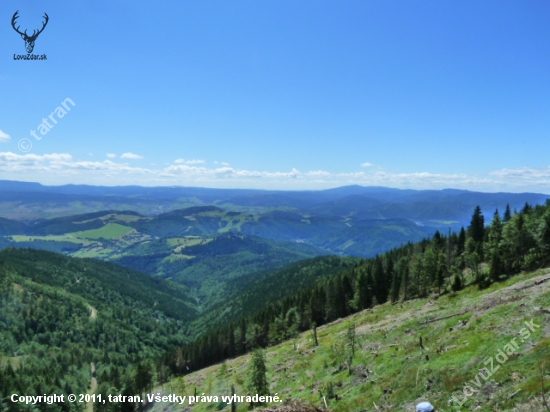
(457, 283)
(351, 345)
(496, 266)
(437, 239)
(395, 286)
(476, 230)
(380, 286)
(507, 214)
(362, 298)
(404, 272)
(258, 373)
(461, 247)
(441, 274)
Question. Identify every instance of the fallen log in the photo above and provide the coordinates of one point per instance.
(443, 318)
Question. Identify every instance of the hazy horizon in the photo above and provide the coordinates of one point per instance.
(266, 188)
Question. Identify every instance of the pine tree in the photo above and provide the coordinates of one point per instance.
(476, 229)
(441, 271)
(351, 345)
(404, 272)
(507, 214)
(437, 240)
(495, 233)
(457, 283)
(315, 340)
(395, 286)
(461, 246)
(143, 377)
(258, 373)
(497, 266)
(362, 298)
(292, 323)
(380, 284)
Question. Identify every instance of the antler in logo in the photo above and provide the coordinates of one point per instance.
(29, 40)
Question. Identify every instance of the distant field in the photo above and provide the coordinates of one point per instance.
(55, 238)
(123, 217)
(109, 231)
(180, 243)
(98, 252)
(174, 257)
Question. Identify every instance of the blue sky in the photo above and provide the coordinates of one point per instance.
(280, 94)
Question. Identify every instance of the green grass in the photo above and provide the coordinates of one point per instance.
(55, 238)
(400, 373)
(109, 231)
(180, 243)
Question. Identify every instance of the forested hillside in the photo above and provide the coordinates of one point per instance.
(210, 266)
(132, 327)
(479, 255)
(249, 294)
(60, 315)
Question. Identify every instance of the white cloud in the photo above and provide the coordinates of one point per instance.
(59, 163)
(4, 137)
(190, 162)
(366, 164)
(60, 168)
(111, 155)
(317, 173)
(130, 155)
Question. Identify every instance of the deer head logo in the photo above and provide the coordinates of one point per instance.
(29, 40)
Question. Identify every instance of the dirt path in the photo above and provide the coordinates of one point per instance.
(93, 388)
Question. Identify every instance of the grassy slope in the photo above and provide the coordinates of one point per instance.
(109, 231)
(390, 368)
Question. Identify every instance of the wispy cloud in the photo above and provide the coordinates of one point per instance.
(111, 155)
(130, 155)
(526, 176)
(58, 168)
(4, 137)
(190, 162)
(366, 164)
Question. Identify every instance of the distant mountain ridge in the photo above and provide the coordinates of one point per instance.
(28, 200)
